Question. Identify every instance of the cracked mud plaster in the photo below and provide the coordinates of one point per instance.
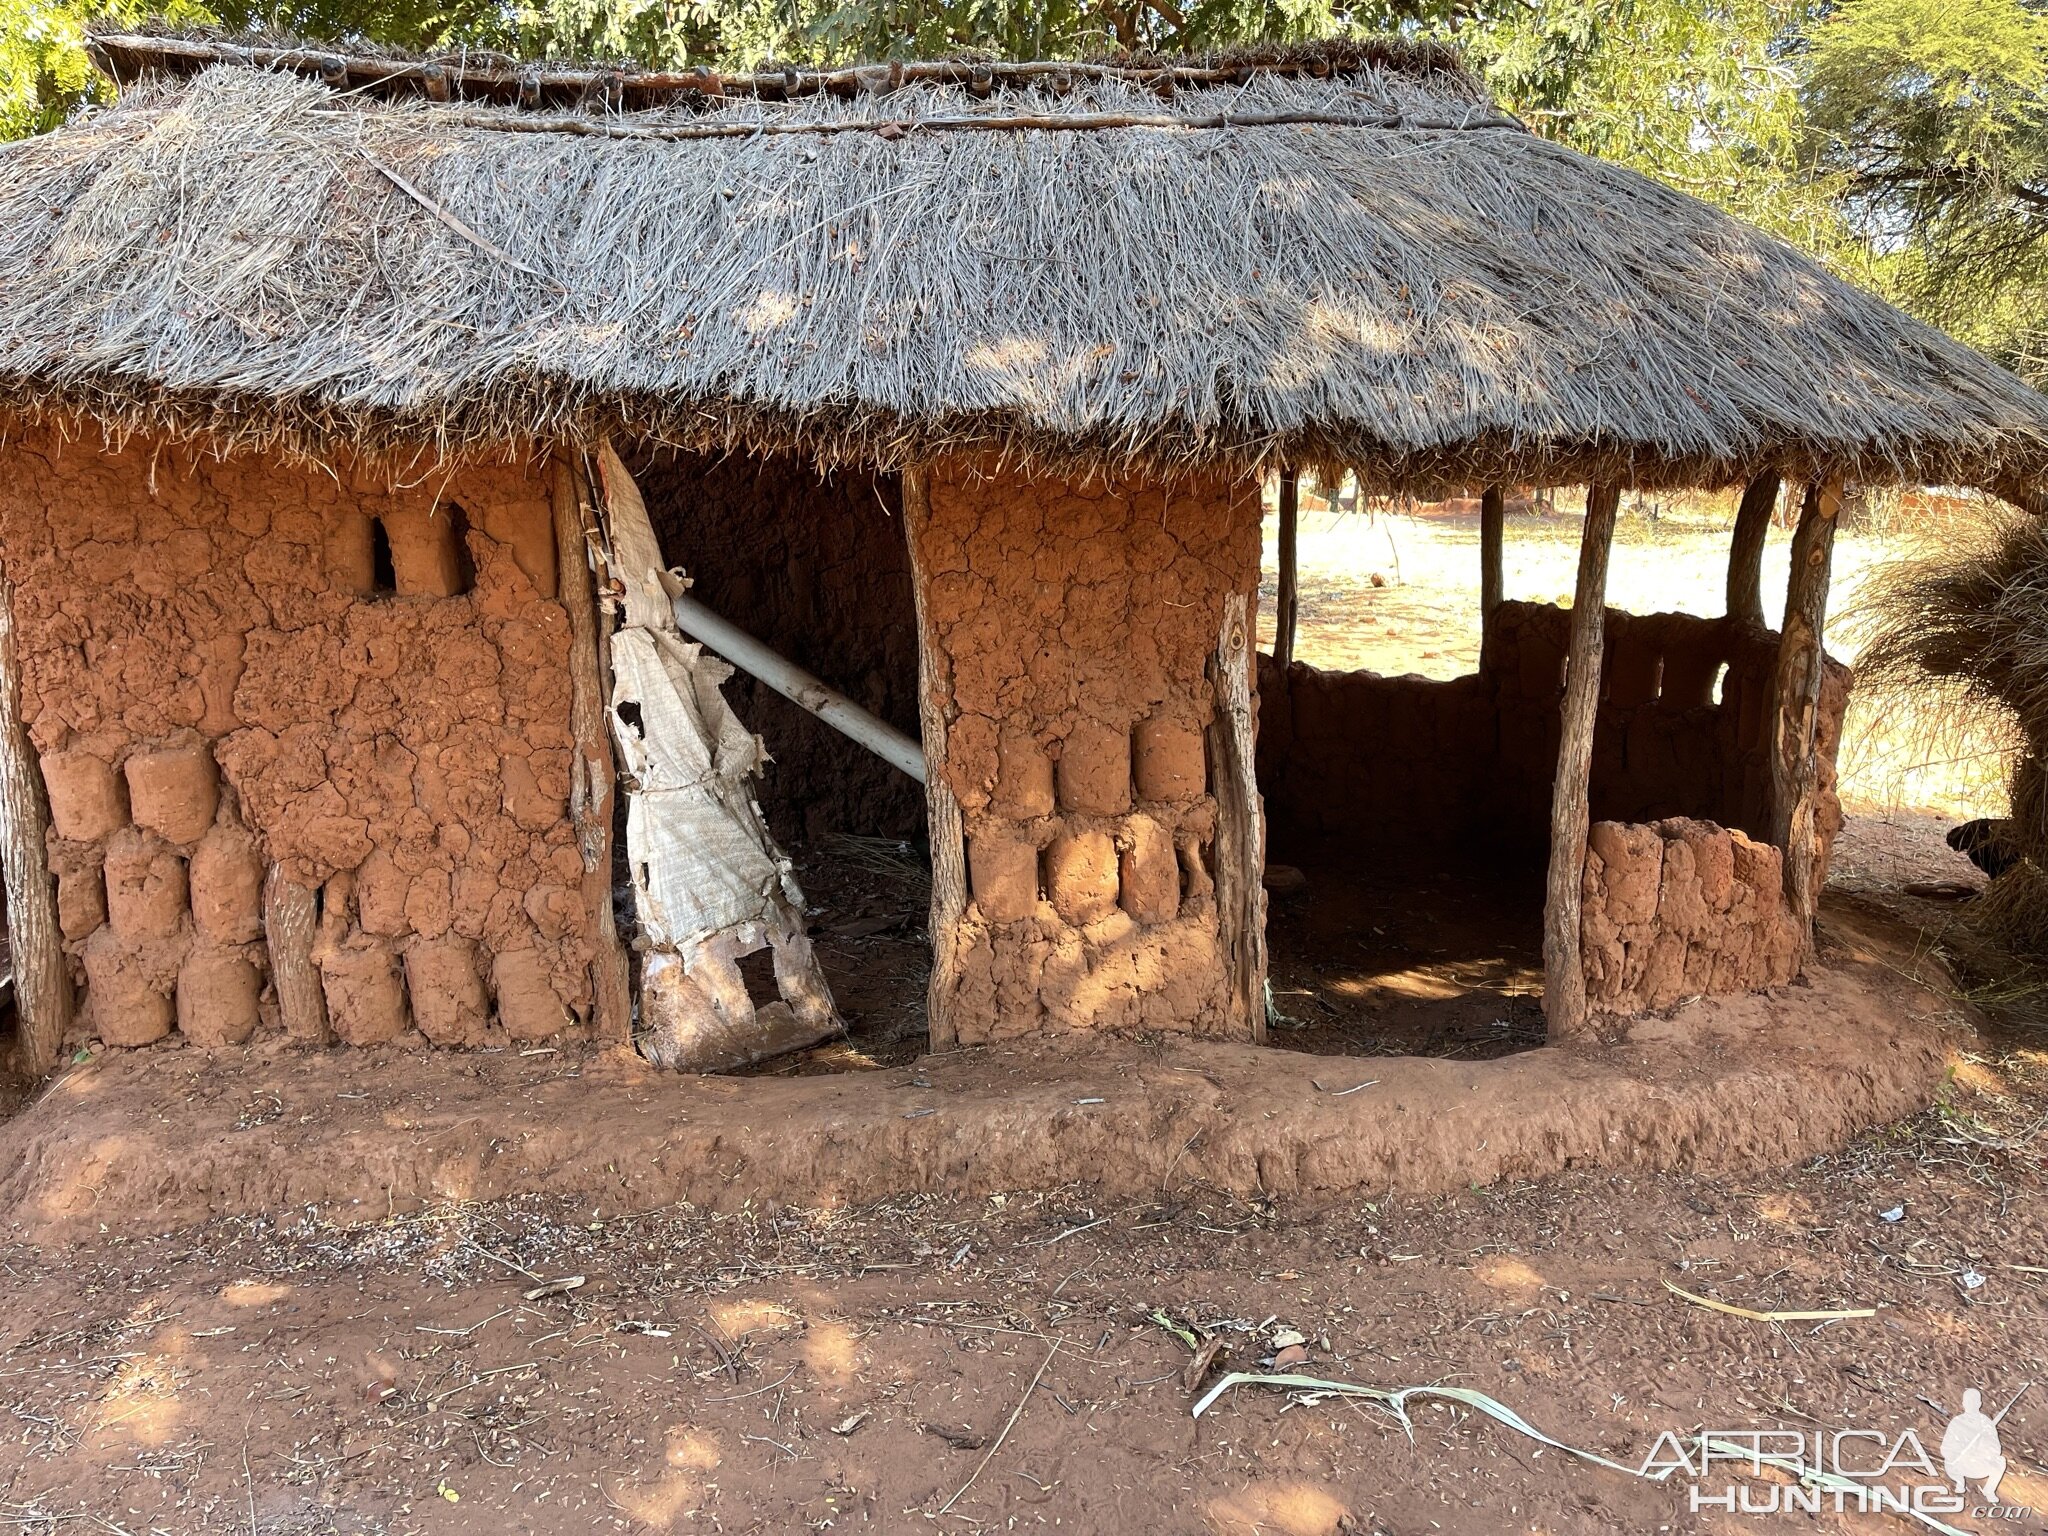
(209, 675)
(1074, 621)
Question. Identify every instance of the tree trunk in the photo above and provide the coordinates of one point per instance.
(1746, 553)
(42, 985)
(945, 831)
(291, 919)
(1286, 607)
(1493, 509)
(1795, 769)
(1564, 975)
(1240, 823)
(592, 776)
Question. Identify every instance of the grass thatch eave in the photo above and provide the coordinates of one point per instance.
(1383, 273)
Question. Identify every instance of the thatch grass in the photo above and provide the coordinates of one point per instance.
(1959, 635)
(1385, 274)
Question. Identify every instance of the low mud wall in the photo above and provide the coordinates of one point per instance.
(1074, 625)
(1680, 732)
(1682, 908)
(230, 666)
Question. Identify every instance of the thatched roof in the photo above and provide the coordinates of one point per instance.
(1329, 258)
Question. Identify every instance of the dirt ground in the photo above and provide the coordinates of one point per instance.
(996, 1363)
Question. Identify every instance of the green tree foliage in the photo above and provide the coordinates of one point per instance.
(1702, 94)
(1936, 113)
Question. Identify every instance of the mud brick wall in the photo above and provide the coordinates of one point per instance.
(819, 570)
(1373, 759)
(227, 666)
(1074, 623)
(1681, 908)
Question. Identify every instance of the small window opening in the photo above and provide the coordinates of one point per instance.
(458, 534)
(1720, 683)
(383, 574)
(629, 715)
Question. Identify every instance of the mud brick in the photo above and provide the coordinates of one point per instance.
(1170, 760)
(86, 798)
(217, 991)
(173, 792)
(1081, 876)
(1151, 872)
(1095, 769)
(1004, 873)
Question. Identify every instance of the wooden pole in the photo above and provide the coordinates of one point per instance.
(1746, 553)
(592, 776)
(1564, 975)
(291, 922)
(42, 985)
(945, 828)
(1240, 823)
(1286, 607)
(1493, 511)
(1795, 767)
(799, 687)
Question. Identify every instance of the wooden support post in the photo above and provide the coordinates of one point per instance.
(291, 923)
(1564, 976)
(42, 985)
(1746, 552)
(946, 831)
(1795, 706)
(1285, 608)
(1493, 512)
(1240, 823)
(591, 773)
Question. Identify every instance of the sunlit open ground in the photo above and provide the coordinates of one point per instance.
(1425, 619)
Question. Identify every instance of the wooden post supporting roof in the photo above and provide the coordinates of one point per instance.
(42, 986)
(1564, 975)
(1795, 767)
(1240, 847)
(1493, 509)
(946, 829)
(1286, 607)
(1746, 551)
(591, 773)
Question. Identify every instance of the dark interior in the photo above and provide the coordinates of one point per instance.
(818, 569)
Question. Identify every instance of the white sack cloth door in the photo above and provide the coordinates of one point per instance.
(709, 883)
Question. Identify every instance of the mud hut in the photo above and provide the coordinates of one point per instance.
(359, 413)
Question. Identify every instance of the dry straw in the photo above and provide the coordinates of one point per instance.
(1350, 258)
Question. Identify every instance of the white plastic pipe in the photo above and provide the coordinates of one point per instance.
(799, 687)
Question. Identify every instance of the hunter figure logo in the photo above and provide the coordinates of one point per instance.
(1969, 1446)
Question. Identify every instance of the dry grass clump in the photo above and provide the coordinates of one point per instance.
(1961, 631)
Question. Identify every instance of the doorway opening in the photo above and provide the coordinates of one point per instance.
(817, 568)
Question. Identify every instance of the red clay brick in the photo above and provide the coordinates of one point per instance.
(1170, 761)
(1004, 873)
(1095, 769)
(1151, 872)
(1081, 876)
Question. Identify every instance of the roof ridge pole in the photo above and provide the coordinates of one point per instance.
(42, 986)
(1287, 604)
(1795, 699)
(1746, 551)
(1564, 971)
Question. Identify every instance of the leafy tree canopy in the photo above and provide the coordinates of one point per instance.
(1936, 115)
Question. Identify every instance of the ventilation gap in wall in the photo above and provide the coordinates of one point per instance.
(383, 574)
(458, 535)
(1720, 682)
